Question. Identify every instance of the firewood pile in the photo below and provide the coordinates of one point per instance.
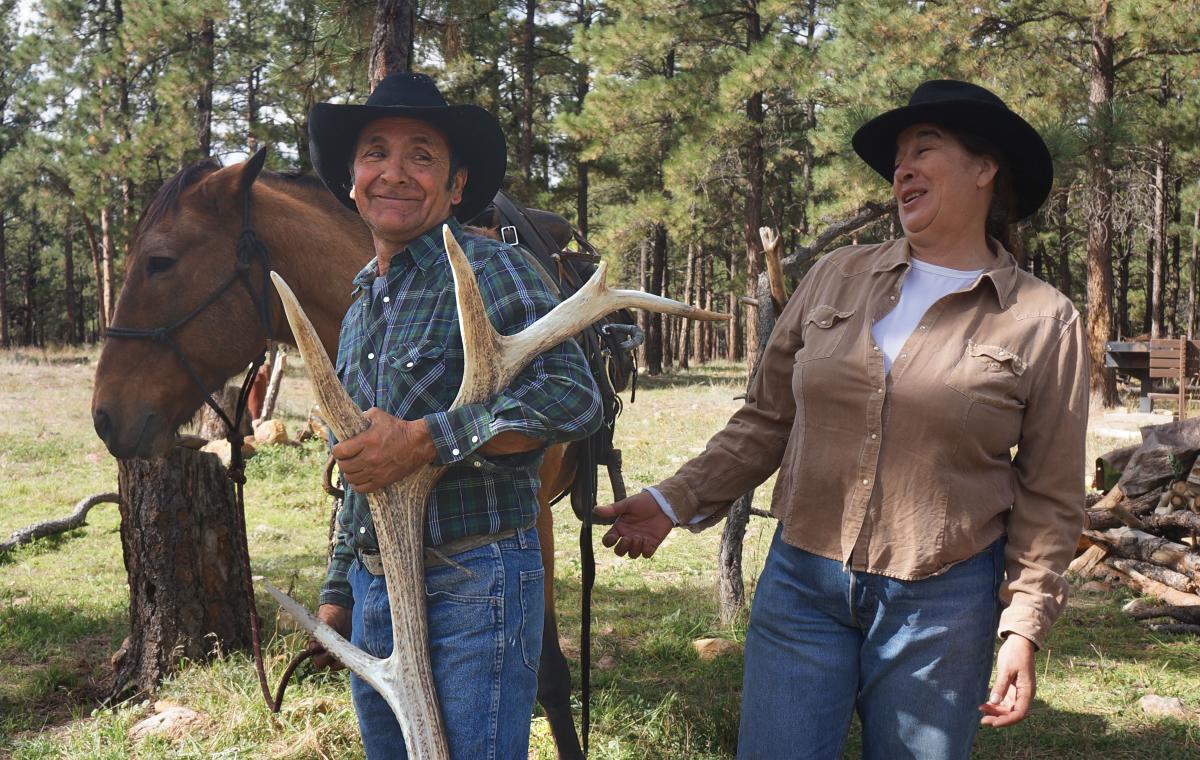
(1145, 529)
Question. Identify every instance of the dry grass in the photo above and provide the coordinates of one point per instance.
(63, 608)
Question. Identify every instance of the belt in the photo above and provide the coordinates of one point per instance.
(440, 555)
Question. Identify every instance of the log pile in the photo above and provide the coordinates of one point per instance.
(1145, 531)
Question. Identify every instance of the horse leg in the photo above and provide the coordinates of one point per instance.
(554, 675)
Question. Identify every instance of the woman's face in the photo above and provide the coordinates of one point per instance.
(942, 191)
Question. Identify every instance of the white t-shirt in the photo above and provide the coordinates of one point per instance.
(923, 286)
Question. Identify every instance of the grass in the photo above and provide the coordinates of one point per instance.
(63, 608)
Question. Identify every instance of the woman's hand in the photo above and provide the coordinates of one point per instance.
(1015, 684)
(641, 525)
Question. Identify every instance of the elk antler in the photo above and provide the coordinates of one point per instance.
(770, 241)
(405, 678)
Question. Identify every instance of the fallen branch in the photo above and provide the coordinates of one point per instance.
(61, 525)
(1139, 611)
(1165, 576)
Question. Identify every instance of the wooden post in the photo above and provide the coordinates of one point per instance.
(181, 535)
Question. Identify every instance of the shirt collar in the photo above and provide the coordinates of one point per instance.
(1002, 272)
(426, 251)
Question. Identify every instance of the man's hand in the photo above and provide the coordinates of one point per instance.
(385, 452)
(641, 525)
(337, 618)
(1015, 684)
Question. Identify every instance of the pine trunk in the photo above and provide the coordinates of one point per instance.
(658, 270)
(1064, 248)
(392, 39)
(1195, 271)
(752, 211)
(1099, 218)
(181, 534)
(5, 338)
(528, 59)
(204, 99)
(69, 334)
(1158, 243)
(108, 267)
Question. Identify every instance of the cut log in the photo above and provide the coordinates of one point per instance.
(1085, 563)
(51, 527)
(1165, 576)
(1135, 544)
(210, 426)
(1151, 587)
(1101, 517)
(1138, 610)
(1181, 520)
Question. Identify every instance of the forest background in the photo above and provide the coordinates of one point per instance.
(666, 131)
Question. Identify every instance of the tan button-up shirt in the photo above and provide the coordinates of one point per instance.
(907, 473)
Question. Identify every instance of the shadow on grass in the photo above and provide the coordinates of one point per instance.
(690, 378)
(43, 545)
(54, 662)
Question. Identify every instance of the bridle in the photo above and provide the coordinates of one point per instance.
(249, 249)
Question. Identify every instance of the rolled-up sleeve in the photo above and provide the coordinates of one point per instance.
(1048, 503)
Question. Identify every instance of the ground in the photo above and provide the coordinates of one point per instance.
(63, 607)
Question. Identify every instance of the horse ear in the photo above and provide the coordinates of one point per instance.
(252, 168)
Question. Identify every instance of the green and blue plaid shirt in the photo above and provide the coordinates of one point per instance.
(401, 350)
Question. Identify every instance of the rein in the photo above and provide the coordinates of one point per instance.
(249, 249)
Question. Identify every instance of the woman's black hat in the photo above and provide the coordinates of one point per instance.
(967, 108)
(474, 135)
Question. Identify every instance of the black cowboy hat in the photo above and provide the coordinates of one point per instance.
(474, 135)
(971, 109)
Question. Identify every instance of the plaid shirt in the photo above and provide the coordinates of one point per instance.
(401, 350)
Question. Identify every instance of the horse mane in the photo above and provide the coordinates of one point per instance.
(166, 201)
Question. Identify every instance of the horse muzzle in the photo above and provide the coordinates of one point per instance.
(142, 437)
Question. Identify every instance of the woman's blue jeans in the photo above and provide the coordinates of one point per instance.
(485, 639)
(913, 657)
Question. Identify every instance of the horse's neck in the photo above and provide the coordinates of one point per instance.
(317, 249)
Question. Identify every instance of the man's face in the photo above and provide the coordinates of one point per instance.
(402, 181)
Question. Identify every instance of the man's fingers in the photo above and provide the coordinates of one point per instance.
(608, 510)
(348, 448)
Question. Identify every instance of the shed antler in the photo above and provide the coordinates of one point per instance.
(492, 361)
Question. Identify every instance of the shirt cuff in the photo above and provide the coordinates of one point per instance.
(666, 507)
(1026, 621)
(459, 432)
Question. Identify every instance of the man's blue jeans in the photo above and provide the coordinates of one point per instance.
(485, 638)
(913, 657)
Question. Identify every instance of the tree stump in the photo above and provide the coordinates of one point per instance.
(181, 534)
(212, 427)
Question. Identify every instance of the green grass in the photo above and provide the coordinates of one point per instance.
(63, 608)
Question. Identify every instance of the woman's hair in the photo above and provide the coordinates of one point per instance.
(999, 217)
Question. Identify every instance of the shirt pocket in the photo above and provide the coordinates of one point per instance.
(824, 328)
(990, 375)
(416, 386)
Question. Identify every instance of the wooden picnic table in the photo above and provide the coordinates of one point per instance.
(1132, 358)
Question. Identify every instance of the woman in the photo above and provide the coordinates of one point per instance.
(897, 381)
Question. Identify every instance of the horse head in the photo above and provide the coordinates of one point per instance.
(164, 329)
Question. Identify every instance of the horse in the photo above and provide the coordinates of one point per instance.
(178, 283)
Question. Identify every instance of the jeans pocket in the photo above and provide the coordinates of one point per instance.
(533, 610)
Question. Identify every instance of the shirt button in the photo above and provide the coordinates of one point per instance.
(474, 439)
(408, 364)
(874, 436)
(370, 356)
(386, 299)
(453, 452)
(477, 463)
(879, 390)
(876, 348)
(865, 481)
(892, 298)
(922, 327)
(362, 529)
(903, 356)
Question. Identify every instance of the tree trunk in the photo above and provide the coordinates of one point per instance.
(689, 287)
(1176, 210)
(392, 39)
(1064, 248)
(658, 270)
(108, 268)
(5, 338)
(1099, 216)
(1195, 272)
(68, 334)
(528, 58)
(1158, 241)
(752, 210)
(181, 537)
(583, 19)
(204, 99)
(29, 281)
(212, 427)
(733, 330)
(1124, 326)
(643, 316)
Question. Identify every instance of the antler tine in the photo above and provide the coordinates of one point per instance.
(340, 411)
(404, 679)
(481, 342)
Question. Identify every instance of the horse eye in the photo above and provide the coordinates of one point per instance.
(159, 264)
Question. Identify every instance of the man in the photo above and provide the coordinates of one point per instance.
(409, 163)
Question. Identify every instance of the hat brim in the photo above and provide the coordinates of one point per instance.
(474, 135)
(1028, 157)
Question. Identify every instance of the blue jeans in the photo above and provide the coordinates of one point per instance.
(485, 638)
(913, 657)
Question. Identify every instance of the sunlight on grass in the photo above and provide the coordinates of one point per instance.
(63, 605)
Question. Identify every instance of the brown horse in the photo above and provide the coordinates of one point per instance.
(183, 251)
